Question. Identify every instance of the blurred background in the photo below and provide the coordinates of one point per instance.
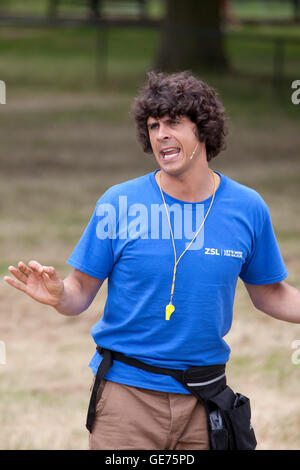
(71, 69)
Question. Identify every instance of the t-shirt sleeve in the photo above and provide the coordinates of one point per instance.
(93, 253)
(264, 264)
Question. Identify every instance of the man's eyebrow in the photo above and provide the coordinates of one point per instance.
(149, 124)
(165, 119)
(174, 118)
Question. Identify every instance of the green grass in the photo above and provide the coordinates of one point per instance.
(243, 9)
(69, 59)
(75, 8)
(4, 265)
(77, 59)
(262, 9)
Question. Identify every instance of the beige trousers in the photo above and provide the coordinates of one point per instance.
(130, 418)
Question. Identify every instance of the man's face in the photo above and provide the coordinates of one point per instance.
(173, 142)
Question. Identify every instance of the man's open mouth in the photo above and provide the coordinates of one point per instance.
(170, 153)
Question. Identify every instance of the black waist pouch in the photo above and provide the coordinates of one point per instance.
(234, 413)
(228, 413)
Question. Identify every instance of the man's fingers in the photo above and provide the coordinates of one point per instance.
(21, 274)
(18, 274)
(35, 266)
(49, 270)
(17, 284)
(24, 269)
(51, 273)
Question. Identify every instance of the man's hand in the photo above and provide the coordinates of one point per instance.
(42, 283)
(70, 296)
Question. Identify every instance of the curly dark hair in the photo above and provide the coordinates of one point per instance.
(181, 94)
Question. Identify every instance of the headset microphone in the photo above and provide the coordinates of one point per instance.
(194, 151)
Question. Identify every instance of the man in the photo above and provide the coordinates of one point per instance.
(172, 245)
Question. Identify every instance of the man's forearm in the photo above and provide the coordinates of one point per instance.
(281, 301)
(74, 300)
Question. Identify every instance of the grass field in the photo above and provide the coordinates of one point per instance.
(65, 138)
(243, 9)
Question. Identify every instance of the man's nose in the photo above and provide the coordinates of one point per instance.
(163, 132)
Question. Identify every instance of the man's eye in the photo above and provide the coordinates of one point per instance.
(174, 123)
(154, 126)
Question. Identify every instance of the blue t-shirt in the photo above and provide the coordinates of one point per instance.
(128, 242)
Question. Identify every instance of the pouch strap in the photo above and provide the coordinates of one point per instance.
(103, 368)
(176, 373)
(185, 377)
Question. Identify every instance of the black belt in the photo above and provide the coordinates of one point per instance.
(203, 381)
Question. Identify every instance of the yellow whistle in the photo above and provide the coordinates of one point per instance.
(169, 310)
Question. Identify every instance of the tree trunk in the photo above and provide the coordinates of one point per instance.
(296, 9)
(191, 37)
